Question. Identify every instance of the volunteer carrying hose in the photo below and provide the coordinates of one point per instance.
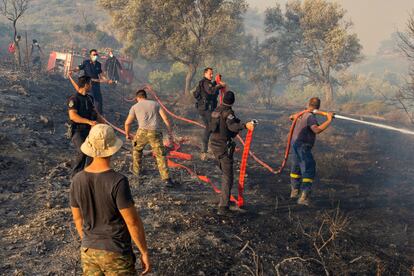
(303, 138)
(224, 127)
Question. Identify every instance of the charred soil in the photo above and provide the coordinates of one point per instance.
(360, 222)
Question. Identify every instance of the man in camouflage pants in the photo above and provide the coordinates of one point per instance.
(109, 262)
(147, 113)
(104, 212)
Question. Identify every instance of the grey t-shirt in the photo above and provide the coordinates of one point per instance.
(147, 114)
(303, 132)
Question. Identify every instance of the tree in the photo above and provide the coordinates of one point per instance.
(314, 40)
(184, 31)
(405, 97)
(13, 10)
(267, 70)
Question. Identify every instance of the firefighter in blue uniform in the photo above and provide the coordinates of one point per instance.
(303, 165)
(93, 69)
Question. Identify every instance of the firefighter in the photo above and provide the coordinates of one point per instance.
(206, 97)
(303, 165)
(92, 68)
(82, 117)
(36, 53)
(224, 127)
(112, 67)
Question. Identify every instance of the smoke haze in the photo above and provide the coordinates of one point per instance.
(374, 20)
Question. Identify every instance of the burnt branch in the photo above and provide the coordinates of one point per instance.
(13, 9)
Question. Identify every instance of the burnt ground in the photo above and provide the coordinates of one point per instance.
(361, 221)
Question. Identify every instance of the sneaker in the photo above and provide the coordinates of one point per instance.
(304, 198)
(294, 192)
(203, 156)
(169, 183)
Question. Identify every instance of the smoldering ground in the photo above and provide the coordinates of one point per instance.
(361, 220)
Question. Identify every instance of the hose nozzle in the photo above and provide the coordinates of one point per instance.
(322, 113)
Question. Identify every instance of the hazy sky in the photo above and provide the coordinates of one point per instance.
(374, 20)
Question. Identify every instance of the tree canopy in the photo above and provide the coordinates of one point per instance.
(313, 38)
(185, 31)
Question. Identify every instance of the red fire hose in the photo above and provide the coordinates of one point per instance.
(179, 155)
(246, 151)
(252, 154)
(245, 156)
(222, 90)
(289, 140)
(175, 154)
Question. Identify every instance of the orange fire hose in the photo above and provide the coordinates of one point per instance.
(246, 152)
(245, 156)
(289, 140)
(252, 154)
(175, 154)
(222, 90)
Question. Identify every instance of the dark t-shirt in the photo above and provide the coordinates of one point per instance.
(84, 106)
(303, 133)
(100, 196)
(91, 69)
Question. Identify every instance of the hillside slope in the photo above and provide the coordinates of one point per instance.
(365, 182)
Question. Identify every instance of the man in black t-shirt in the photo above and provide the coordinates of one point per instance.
(103, 211)
(82, 116)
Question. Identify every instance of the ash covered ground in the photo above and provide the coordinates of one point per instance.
(361, 221)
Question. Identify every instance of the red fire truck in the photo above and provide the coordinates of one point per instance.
(63, 62)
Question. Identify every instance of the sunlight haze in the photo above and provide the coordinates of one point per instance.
(374, 20)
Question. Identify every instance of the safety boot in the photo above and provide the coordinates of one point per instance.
(304, 198)
(294, 192)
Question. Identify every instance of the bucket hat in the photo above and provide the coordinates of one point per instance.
(101, 142)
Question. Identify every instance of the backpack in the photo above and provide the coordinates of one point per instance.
(200, 97)
(12, 48)
(204, 101)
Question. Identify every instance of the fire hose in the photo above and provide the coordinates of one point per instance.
(222, 90)
(289, 140)
(174, 153)
(246, 152)
(252, 154)
(243, 164)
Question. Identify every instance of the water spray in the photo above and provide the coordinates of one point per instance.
(401, 130)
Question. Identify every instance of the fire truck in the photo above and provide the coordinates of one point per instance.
(63, 62)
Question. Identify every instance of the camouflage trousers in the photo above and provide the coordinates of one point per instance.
(154, 138)
(97, 262)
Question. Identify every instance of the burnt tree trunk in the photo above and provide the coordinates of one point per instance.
(329, 93)
(189, 78)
